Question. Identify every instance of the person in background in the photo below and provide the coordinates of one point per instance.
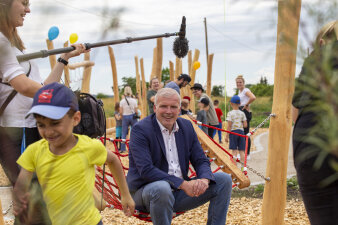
(181, 81)
(118, 129)
(314, 138)
(21, 80)
(236, 123)
(154, 86)
(203, 105)
(219, 114)
(128, 110)
(247, 97)
(211, 114)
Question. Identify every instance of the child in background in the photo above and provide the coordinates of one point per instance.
(203, 106)
(219, 114)
(118, 119)
(236, 123)
(65, 162)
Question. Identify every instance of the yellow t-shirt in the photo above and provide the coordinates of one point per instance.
(67, 180)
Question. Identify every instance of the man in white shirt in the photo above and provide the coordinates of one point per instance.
(160, 149)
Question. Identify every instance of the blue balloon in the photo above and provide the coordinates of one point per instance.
(53, 33)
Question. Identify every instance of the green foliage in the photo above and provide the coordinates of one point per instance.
(259, 188)
(217, 90)
(165, 74)
(101, 95)
(128, 81)
(262, 90)
(292, 183)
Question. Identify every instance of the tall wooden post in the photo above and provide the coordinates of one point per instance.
(171, 71)
(210, 60)
(52, 58)
(159, 58)
(274, 197)
(189, 61)
(177, 67)
(87, 71)
(193, 75)
(144, 91)
(114, 71)
(138, 85)
(66, 69)
(2, 222)
(153, 68)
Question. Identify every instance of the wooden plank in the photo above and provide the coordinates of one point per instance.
(85, 63)
(153, 68)
(114, 72)
(274, 197)
(192, 74)
(222, 159)
(171, 71)
(144, 91)
(159, 59)
(138, 85)
(87, 71)
(209, 77)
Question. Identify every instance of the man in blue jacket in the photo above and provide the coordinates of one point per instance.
(160, 149)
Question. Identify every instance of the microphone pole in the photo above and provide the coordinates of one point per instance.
(45, 53)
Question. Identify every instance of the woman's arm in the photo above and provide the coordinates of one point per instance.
(252, 98)
(56, 73)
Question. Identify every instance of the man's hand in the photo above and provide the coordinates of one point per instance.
(195, 188)
(128, 205)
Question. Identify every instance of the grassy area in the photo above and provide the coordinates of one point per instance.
(108, 105)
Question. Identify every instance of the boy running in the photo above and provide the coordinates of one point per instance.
(65, 162)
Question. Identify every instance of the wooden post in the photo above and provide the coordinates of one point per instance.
(153, 68)
(66, 69)
(274, 197)
(87, 70)
(171, 71)
(159, 59)
(114, 71)
(210, 59)
(189, 61)
(2, 222)
(138, 85)
(144, 91)
(177, 67)
(52, 58)
(193, 75)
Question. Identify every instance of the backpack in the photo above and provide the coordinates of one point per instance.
(93, 119)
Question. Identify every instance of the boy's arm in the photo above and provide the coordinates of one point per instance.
(228, 129)
(20, 192)
(116, 169)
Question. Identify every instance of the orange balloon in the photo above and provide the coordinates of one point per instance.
(196, 65)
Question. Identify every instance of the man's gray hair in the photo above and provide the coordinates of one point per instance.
(167, 93)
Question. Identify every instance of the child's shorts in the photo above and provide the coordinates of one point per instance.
(237, 142)
(118, 132)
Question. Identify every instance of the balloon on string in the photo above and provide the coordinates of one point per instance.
(73, 38)
(196, 65)
(53, 33)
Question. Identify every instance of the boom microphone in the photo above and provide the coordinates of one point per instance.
(181, 46)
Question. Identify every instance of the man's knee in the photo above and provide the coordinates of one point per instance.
(159, 190)
(223, 180)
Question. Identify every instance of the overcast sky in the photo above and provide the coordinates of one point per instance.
(241, 34)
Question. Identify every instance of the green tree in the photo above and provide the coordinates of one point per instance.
(128, 81)
(165, 74)
(217, 90)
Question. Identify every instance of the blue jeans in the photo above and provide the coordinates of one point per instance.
(161, 201)
(219, 132)
(127, 120)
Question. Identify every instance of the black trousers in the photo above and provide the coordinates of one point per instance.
(247, 129)
(10, 151)
(321, 202)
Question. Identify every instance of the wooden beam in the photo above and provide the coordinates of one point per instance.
(222, 159)
(87, 71)
(177, 67)
(52, 58)
(114, 72)
(153, 68)
(144, 91)
(210, 60)
(189, 61)
(159, 59)
(66, 69)
(85, 63)
(274, 197)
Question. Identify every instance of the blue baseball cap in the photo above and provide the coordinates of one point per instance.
(53, 101)
(236, 99)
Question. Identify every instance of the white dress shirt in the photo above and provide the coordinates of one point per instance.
(171, 150)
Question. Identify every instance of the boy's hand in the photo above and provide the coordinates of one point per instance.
(20, 203)
(128, 205)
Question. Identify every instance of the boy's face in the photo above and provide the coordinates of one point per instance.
(58, 133)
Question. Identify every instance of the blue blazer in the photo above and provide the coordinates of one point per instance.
(147, 155)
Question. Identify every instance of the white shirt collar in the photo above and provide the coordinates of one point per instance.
(162, 128)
